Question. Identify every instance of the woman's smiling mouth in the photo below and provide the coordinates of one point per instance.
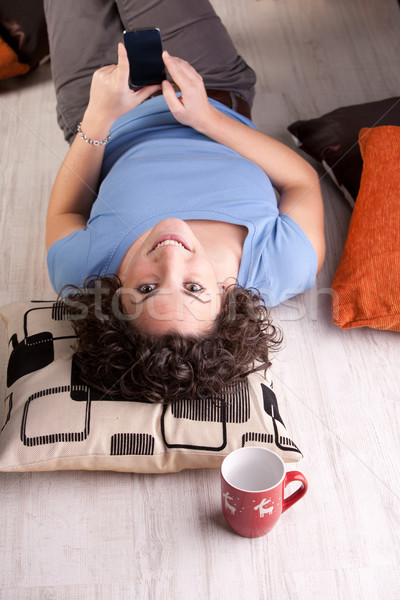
(170, 239)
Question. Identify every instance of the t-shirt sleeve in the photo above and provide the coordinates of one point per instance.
(288, 263)
(67, 259)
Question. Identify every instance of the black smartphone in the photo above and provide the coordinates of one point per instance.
(144, 49)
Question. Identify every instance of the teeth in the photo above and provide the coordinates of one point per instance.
(169, 243)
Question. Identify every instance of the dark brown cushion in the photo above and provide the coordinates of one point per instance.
(333, 138)
(23, 28)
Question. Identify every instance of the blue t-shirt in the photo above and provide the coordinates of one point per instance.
(155, 168)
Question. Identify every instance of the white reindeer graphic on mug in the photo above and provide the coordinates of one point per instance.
(262, 509)
(227, 505)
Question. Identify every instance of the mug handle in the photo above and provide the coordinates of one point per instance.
(299, 493)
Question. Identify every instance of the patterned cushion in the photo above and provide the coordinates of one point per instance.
(52, 420)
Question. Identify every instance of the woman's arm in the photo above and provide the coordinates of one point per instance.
(294, 178)
(76, 184)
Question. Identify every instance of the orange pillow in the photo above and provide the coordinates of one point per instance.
(366, 286)
(9, 62)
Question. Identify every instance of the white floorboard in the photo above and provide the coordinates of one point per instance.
(78, 535)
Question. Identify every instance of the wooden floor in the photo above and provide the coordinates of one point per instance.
(102, 536)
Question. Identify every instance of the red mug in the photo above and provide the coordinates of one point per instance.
(253, 482)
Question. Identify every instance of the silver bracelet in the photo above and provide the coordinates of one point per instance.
(89, 141)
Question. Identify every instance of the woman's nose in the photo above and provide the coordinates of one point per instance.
(171, 263)
(172, 255)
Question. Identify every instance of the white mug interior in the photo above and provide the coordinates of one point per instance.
(253, 469)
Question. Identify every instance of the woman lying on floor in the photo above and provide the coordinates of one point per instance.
(166, 227)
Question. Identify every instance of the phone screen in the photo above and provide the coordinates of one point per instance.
(144, 50)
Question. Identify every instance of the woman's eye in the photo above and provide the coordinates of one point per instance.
(146, 288)
(194, 287)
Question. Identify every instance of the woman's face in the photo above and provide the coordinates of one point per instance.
(169, 283)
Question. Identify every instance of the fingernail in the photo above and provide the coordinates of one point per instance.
(166, 52)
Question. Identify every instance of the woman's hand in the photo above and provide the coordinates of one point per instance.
(192, 108)
(110, 95)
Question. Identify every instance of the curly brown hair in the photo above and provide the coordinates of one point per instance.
(114, 356)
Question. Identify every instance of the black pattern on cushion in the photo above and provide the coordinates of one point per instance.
(332, 139)
(52, 420)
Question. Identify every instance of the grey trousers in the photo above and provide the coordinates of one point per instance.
(83, 36)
